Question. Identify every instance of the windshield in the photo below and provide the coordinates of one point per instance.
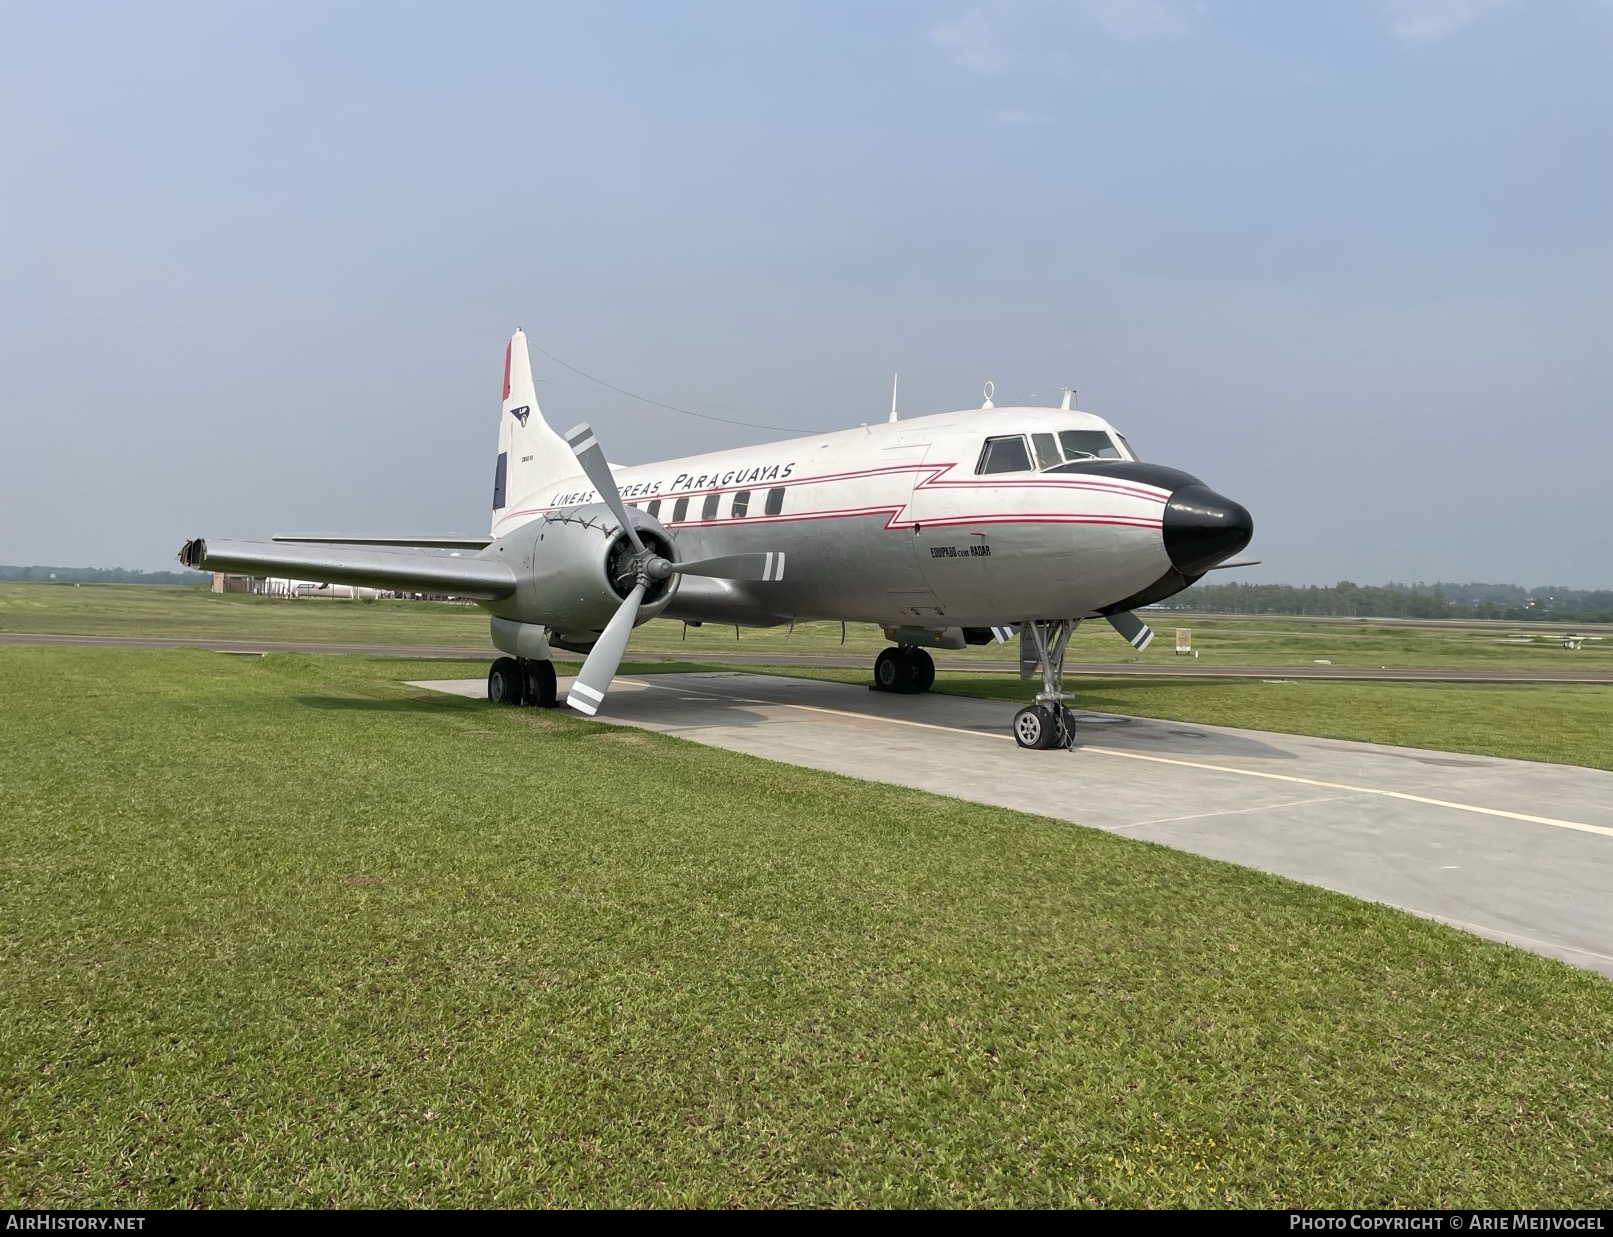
(1088, 445)
(1008, 453)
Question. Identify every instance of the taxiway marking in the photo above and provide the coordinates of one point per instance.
(1406, 796)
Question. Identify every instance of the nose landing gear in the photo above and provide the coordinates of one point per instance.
(905, 669)
(1044, 726)
(1048, 723)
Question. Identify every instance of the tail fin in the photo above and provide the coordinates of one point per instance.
(531, 456)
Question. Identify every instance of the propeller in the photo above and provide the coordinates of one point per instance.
(1132, 629)
(756, 567)
(593, 680)
(592, 458)
(599, 668)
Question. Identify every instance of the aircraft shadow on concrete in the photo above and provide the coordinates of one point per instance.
(1149, 735)
(1145, 735)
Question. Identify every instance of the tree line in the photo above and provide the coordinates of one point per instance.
(1347, 599)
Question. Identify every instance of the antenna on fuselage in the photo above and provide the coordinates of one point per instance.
(990, 391)
(1069, 394)
(895, 378)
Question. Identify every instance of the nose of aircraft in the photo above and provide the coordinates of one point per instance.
(1203, 527)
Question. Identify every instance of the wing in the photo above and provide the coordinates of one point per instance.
(437, 541)
(419, 571)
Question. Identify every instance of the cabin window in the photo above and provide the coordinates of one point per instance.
(654, 508)
(1130, 452)
(775, 501)
(1088, 445)
(741, 505)
(1046, 448)
(1004, 455)
(680, 510)
(708, 510)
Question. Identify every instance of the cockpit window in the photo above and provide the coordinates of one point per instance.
(1046, 448)
(1088, 445)
(1004, 455)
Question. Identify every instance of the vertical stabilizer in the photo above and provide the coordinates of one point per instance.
(531, 456)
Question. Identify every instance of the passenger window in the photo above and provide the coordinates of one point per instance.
(654, 508)
(1047, 450)
(741, 505)
(1088, 445)
(708, 510)
(1004, 455)
(680, 510)
(775, 501)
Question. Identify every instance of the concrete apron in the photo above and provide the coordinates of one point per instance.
(1511, 850)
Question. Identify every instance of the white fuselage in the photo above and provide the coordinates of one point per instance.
(891, 523)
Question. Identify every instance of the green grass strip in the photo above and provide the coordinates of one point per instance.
(283, 931)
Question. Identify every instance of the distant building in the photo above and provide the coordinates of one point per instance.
(277, 586)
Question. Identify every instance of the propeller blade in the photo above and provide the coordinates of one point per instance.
(1132, 629)
(593, 680)
(765, 568)
(592, 458)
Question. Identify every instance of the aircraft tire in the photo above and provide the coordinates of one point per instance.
(506, 681)
(893, 671)
(540, 684)
(1065, 731)
(1036, 728)
(923, 670)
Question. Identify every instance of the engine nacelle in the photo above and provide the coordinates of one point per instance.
(574, 567)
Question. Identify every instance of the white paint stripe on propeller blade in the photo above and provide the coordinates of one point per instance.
(590, 692)
(581, 705)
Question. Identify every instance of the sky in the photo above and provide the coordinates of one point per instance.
(1349, 261)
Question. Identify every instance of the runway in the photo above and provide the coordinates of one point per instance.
(1511, 850)
(862, 661)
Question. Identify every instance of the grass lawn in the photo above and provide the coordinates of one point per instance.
(284, 931)
(149, 610)
(180, 611)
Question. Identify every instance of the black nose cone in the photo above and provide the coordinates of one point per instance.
(1202, 528)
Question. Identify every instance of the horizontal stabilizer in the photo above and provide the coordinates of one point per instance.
(430, 541)
(414, 571)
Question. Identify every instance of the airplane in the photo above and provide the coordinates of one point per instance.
(948, 530)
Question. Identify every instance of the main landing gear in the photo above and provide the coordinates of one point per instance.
(513, 680)
(904, 668)
(1047, 723)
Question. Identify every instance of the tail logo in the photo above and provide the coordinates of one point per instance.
(521, 413)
